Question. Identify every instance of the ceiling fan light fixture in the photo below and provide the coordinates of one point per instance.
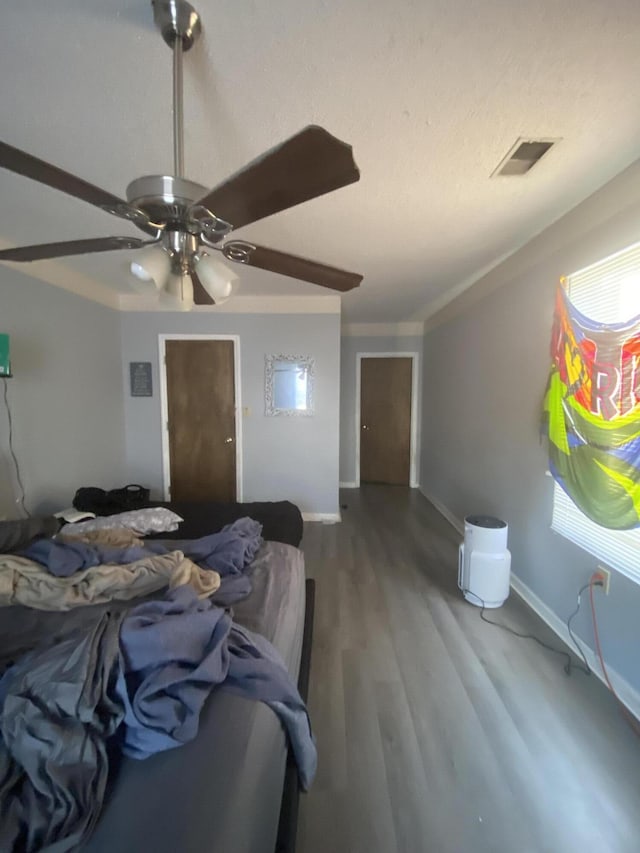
(153, 264)
(144, 287)
(215, 277)
(178, 292)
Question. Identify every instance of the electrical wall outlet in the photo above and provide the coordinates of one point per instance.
(605, 574)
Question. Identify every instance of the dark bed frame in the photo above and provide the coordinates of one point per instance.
(288, 824)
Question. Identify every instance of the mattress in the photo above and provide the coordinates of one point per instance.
(220, 793)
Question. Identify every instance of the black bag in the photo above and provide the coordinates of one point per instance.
(101, 502)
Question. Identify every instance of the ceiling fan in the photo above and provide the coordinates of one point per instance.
(183, 219)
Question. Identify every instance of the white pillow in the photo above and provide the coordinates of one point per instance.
(141, 521)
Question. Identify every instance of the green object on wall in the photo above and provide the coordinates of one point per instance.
(5, 360)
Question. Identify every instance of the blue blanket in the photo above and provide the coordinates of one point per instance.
(63, 558)
(175, 651)
(228, 552)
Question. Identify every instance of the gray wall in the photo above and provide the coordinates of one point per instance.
(350, 347)
(486, 369)
(66, 394)
(283, 458)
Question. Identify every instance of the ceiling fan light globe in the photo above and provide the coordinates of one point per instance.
(144, 287)
(178, 292)
(215, 277)
(140, 272)
(151, 265)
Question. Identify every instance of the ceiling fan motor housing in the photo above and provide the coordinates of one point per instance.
(166, 199)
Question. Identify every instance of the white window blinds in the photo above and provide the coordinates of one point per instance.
(619, 549)
(609, 292)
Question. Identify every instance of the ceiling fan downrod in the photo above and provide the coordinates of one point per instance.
(178, 115)
(180, 26)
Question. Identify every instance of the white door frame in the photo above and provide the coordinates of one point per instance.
(166, 466)
(413, 462)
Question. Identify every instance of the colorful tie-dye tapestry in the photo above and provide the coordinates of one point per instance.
(592, 414)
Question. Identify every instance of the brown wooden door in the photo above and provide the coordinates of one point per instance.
(385, 420)
(201, 420)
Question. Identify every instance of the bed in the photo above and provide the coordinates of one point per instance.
(234, 788)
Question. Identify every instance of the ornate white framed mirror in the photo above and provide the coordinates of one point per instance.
(289, 381)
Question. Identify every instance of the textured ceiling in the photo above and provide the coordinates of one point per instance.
(431, 94)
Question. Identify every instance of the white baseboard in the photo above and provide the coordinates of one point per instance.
(351, 484)
(453, 520)
(628, 694)
(324, 517)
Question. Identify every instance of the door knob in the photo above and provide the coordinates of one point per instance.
(364, 426)
(228, 440)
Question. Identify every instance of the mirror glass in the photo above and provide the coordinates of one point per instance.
(289, 385)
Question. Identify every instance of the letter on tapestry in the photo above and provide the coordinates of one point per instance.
(604, 386)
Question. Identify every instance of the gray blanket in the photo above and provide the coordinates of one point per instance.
(59, 707)
(17, 534)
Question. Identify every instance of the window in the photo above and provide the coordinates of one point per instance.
(619, 549)
(608, 291)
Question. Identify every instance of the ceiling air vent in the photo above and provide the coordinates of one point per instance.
(523, 156)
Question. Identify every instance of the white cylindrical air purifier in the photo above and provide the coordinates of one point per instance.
(484, 562)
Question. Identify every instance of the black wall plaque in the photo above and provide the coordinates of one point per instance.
(140, 379)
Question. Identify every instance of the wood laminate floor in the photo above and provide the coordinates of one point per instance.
(437, 732)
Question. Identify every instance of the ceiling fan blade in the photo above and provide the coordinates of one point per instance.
(71, 247)
(308, 165)
(25, 164)
(200, 295)
(291, 265)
